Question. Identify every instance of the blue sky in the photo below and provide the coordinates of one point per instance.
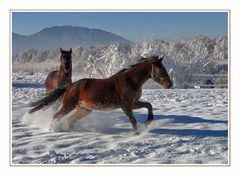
(135, 26)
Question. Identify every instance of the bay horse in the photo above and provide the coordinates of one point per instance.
(62, 76)
(122, 90)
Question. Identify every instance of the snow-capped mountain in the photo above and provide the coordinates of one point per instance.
(64, 36)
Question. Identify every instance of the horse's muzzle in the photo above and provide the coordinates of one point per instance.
(167, 84)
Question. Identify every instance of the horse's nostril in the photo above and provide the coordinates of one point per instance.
(169, 85)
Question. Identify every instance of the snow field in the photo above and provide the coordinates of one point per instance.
(190, 127)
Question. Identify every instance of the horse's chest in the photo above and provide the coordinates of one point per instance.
(138, 95)
(63, 79)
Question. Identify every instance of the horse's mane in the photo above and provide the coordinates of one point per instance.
(132, 66)
(123, 70)
(141, 60)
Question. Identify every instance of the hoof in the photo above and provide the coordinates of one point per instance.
(136, 133)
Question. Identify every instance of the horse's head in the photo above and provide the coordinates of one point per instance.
(159, 73)
(66, 60)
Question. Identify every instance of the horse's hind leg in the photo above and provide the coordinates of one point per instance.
(141, 104)
(69, 101)
(65, 109)
(79, 114)
(62, 112)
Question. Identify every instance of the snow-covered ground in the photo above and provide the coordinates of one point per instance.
(190, 127)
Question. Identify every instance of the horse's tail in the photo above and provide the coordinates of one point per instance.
(48, 100)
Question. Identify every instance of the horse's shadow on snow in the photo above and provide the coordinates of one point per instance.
(183, 119)
(163, 121)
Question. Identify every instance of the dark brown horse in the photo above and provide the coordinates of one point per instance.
(62, 76)
(122, 90)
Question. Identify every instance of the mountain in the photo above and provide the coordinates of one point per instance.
(65, 37)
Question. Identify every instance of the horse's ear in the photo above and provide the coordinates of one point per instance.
(154, 59)
(161, 58)
(61, 50)
(70, 50)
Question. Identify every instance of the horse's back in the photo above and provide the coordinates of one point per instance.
(97, 94)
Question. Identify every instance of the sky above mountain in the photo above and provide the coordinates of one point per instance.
(134, 26)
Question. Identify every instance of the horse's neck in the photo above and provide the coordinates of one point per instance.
(63, 75)
(142, 74)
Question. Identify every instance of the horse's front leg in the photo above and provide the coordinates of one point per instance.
(141, 104)
(128, 111)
